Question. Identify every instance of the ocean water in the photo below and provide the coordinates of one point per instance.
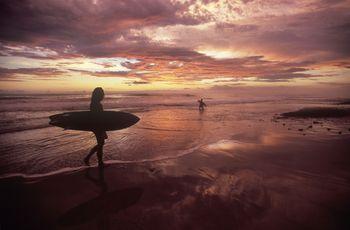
(171, 126)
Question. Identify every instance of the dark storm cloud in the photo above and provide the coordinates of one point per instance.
(56, 24)
(322, 31)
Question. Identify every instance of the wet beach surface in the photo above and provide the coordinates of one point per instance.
(227, 185)
(163, 132)
(230, 167)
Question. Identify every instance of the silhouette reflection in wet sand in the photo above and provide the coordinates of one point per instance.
(101, 135)
(99, 181)
(102, 206)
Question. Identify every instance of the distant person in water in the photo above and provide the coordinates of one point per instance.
(96, 107)
(201, 104)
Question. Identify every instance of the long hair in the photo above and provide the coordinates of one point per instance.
(97, 95)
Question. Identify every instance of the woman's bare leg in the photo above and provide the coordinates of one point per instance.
(99, 150)
(100, 155)
(92, 151)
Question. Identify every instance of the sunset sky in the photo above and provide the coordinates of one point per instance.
(60, 45)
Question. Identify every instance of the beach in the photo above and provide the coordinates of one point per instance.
(237, 165)
(175, 115)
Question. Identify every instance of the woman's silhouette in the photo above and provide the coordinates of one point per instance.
(96, 107)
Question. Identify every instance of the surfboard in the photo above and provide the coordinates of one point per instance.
(89, 121)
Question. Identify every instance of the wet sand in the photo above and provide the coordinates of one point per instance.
(273, 182)
(229, 167)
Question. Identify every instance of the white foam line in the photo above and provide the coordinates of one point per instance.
(59, 171)
(80, 168)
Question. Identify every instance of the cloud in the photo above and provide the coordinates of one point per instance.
(38, 73)
(138, 82)
(24, 51)
(175, 41)
(228, 87)
(31, 71)
(57, 24)
(101, 73)
(111, 27)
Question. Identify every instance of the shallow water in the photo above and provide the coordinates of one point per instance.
(233, 166)
(170, 127)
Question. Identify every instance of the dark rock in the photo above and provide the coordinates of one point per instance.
(319, 112)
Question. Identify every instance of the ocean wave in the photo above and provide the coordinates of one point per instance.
(159, 129)
(71, 105)
(17, 97)
(23, 128)
(66, 170)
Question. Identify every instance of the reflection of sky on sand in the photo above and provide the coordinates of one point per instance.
(224, 145)
(289, 185)
(245, 183)
(232, 147)
(160, 133)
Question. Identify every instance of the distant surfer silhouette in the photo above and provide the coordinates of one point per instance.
(201, 104)
(100, 134)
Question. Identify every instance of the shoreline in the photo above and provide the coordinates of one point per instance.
(224, 185)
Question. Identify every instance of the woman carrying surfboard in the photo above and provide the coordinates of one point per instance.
(100, 134)
(96, 120)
